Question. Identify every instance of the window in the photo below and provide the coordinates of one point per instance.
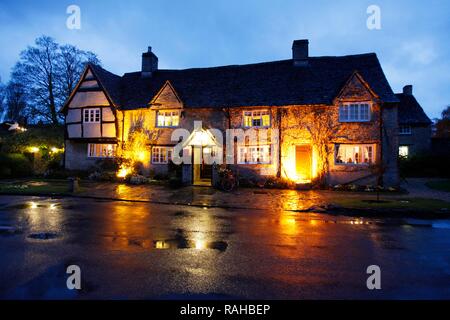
(354, 153)
(256, 119)
(354, 112)
(161, 155)
(403, 151)
(168, 119)
(254, 154)
(97, 150)
(91, 115)
(404, 130)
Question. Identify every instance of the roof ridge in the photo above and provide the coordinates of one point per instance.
(256, 63)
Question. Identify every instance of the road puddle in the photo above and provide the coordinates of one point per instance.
(43, 235)
(190, 244)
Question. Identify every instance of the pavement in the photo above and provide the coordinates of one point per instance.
(142, 250)
(417, 188)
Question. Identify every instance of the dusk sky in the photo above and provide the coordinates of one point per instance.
(413, 43)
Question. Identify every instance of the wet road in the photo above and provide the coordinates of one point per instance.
(140, 250)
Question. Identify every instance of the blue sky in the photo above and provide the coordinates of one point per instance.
(413, 44)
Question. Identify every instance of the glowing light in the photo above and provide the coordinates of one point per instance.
(33, 205)
(123, 172)
(200, 244)
(141, 155)
(55, 150)
(290, 165)
(33, 149)
(161, 245)
(52, 206)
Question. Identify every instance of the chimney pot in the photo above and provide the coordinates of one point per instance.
(408, 89)
(300, 52)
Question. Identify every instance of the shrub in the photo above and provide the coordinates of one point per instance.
(424, 166)
(15, 165)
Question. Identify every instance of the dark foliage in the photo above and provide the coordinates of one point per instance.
(425, 166)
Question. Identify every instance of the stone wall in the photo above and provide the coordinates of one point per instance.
(419, 141)
(76, 156)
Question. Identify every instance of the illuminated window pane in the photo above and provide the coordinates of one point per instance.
(168, 119)
(98, 150)
(354, 154)
(403, 151)
(256, 118)
(161, 155)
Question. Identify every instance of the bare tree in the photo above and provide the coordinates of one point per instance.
(15, 101)
(36, 70)
(71, 62)
(49, 73)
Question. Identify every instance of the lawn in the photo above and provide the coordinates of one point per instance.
(34, 186)
(441, 185)
(413, 204)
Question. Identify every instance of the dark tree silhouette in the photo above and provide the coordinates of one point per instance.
(48, 73)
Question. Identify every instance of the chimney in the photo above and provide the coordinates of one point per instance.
(149, 63)
(407, 90)
(300, 52)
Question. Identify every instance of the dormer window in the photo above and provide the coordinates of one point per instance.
(168, 119)
(91, 115)
(256, 118)
(354, 112)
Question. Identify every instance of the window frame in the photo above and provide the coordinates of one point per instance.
(268, 148)
(96, 156)
(172, 114)
(252, 112)
(346, 108)
(168, 154)
(403, 132)
(91, 114)
(372, 160)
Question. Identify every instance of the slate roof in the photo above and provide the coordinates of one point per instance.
(110, 82)
(410, 112)
(274, 83)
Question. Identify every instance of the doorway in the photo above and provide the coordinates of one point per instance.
(303, 161)
(202, 172)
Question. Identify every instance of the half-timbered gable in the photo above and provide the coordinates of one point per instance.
(90, 113)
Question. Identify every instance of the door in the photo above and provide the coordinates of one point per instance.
(303, 159)
(201, 172)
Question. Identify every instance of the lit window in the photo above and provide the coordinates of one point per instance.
(403, 151)
(404, 130)
(256, 119)
(161, 155)
(354, 153)
(100, 150)
(91, 115)
(354, 112)
(168, 119)
(254, 154)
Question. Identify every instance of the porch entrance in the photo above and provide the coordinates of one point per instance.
(303, 161)
(202, 173)
(201, 143)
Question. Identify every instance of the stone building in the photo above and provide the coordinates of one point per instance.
(414, 126)
(331, 118)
